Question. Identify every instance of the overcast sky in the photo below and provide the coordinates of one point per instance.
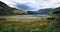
(32, 5)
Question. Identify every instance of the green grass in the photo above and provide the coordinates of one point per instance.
(33, 26)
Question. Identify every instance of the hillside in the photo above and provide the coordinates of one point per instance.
(50, 11)
(56, 10)
(6, 10)
(42, 11)
(46, 11)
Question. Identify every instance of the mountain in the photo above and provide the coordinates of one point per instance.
(42, 11)
(18, 12)
(56, 10)
(46, 11)
(34, 12)
(6, 10)
(3, 5)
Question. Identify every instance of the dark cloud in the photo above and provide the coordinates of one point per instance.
(23, 6)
